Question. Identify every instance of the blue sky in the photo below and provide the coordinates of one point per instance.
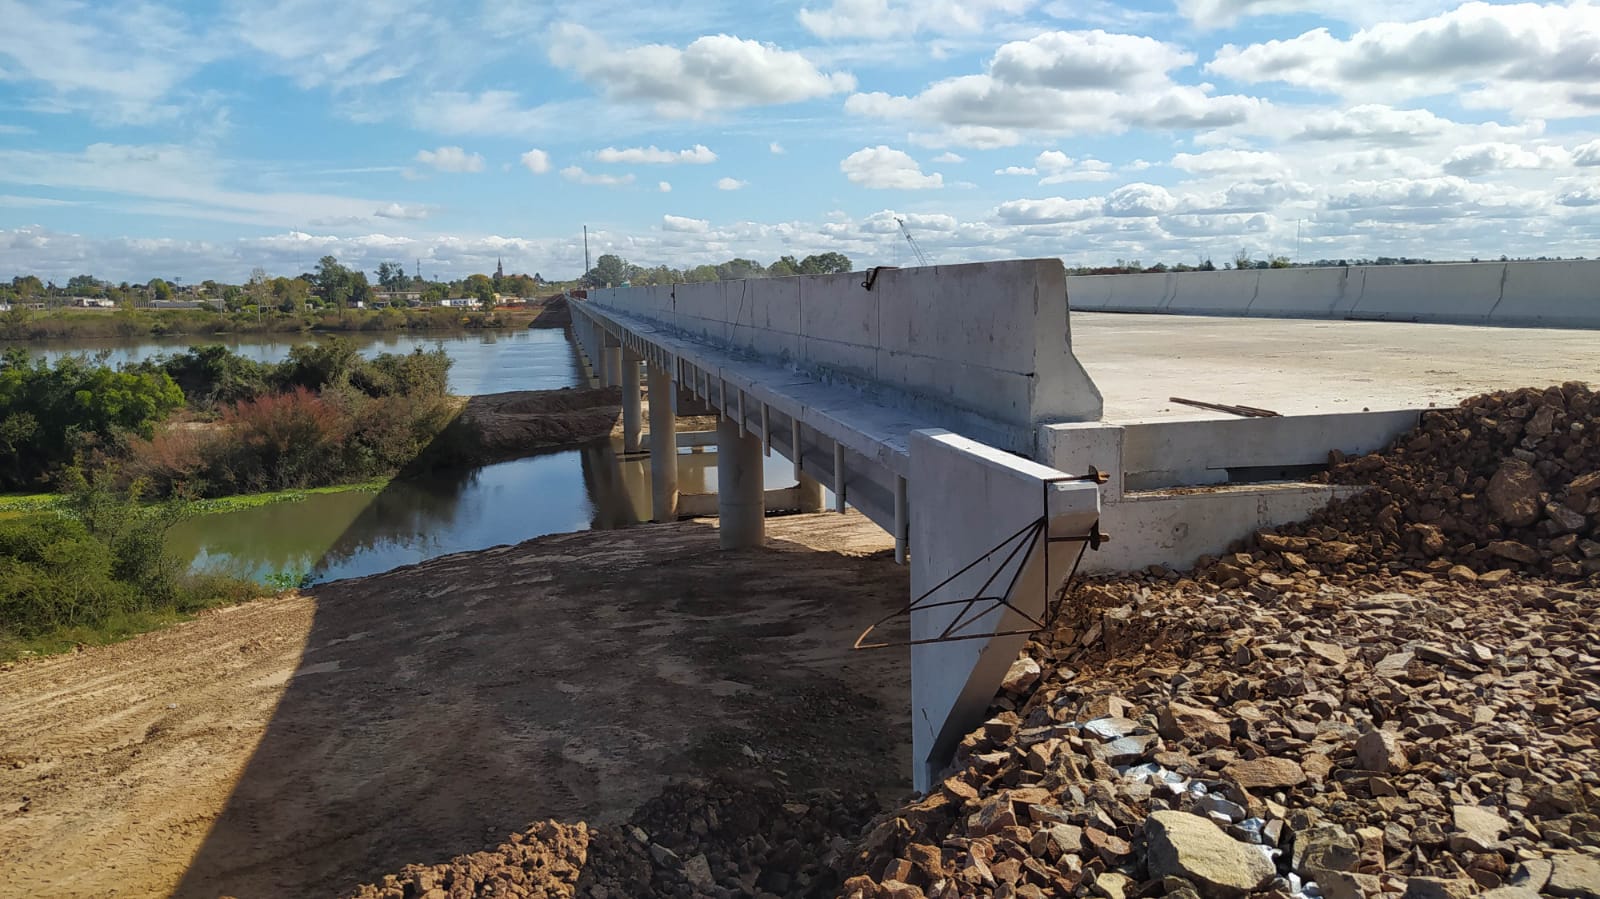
(202, 140)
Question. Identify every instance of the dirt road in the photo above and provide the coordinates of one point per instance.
(299, 746)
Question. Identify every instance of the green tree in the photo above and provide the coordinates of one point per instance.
(609, 271)
(736, 269)
(392, 276)
(825, 264)
(481, 288)
(50, 413)
(84, 285)
(27, 287)
(784, 267)
(159, 289)
(332, 282)
(1280, 262)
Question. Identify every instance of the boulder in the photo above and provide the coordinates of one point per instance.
(1191, 847)
(1513, 493)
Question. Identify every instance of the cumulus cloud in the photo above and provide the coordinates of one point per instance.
(1050, 210)
(1534, 60)
(664, 187)
(1230, 161)
(1480, 159)
(948, 158)
(699, 154)
(1139, 199)
(451, 159)
(577, 175)
(536, 161)
(885, 168)
(711, 73)
(1587, 154)
(731, 184)
(1061, 81)
(684, 225)
(776, 149)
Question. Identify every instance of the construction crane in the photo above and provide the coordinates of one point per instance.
(922, 258)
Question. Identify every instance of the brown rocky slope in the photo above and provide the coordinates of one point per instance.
(1399, 697)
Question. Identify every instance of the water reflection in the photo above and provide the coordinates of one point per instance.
(486, 361)
(340, 535)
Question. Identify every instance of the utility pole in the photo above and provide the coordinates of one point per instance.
(586, 249)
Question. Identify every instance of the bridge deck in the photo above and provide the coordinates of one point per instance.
(1303, 367)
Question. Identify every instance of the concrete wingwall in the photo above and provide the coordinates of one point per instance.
(990, 339)
(1562, 294)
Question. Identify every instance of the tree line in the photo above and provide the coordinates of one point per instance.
(611, 270)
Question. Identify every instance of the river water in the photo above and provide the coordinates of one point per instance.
(330, 536)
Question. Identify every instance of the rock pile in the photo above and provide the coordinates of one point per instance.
(719, 840)
(1191, 743)
(1506, 482)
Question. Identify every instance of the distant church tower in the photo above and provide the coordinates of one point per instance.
(499, 269)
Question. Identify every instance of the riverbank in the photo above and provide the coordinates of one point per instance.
(25, 326)
(289, 746)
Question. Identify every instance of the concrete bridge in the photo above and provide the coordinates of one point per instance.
(961, 409)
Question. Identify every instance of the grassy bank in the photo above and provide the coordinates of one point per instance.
(84, 324)
(90, 566)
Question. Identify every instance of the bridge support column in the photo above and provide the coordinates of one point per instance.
(610, 361)
(741, 495)
(631, 407)
(810, 493)
(663, 447)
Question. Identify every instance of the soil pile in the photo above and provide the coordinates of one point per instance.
(514, 424)
(721, 839)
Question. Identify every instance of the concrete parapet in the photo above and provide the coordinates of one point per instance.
(1563, 294)
(991, 341)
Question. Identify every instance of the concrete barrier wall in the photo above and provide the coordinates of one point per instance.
(991, 339)
(1533, 294)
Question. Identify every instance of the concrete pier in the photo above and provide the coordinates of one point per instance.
(631, 407)
(741, 497)
(663, 447)
(610, 365)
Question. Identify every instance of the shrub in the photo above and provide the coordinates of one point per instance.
(280, 441)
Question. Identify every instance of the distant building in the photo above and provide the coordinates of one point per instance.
(175, 304)
(458, 303)
(91, 303)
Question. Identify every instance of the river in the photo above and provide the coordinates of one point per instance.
(355, 533)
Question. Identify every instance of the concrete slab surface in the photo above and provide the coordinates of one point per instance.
(1301, 367)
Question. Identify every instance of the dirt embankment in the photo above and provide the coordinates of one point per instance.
(499, 426)
(299, 747)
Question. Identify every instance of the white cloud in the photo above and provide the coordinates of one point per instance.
(684, 225)
(1017, 170)
(577, 175)
(1587, 154)
(121, 63)
(711, 73)
(1584, 196)
(664, 187)
(885, 168)
(1139, 199)
(870, 20)
(776, 149)
(536, 161)
(1050, 210)
(173, 181)
(1480, 159)
(699, 154)
(731, 184)
(1220, 162)
(948, 158)
(1530, 59)
(397, 211)
(1063, 81)
(341, 45)
(451, 159)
